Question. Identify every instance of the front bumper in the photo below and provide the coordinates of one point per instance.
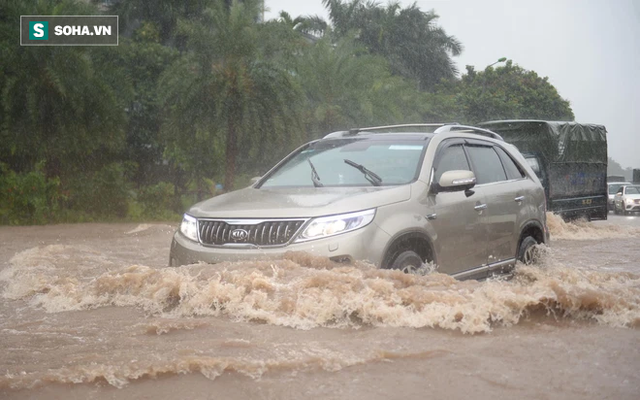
(631, 207)
(362, 244)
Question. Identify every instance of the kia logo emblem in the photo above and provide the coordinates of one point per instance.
(239, 235)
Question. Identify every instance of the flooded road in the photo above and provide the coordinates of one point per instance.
(92, 311)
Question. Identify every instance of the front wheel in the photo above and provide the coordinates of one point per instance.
(527, 252)
(407, 261)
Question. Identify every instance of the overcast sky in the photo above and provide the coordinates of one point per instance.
(589, 49)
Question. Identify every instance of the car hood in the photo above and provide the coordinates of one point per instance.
(298, 202)
(632, 196)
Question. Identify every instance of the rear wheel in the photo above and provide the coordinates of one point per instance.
(527, 252)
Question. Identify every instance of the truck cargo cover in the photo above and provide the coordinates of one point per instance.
(557, 141)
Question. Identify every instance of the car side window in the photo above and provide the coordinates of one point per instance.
(514, 171)
(486, 163)
(451, 158)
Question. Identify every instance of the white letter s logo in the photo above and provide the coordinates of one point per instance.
(38, 30)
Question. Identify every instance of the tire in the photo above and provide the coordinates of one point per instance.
(407, 261)
(615, 210)
(526, 252)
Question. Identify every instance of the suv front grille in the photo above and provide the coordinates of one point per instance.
(265, 233)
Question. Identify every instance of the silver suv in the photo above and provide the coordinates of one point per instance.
(458, 196)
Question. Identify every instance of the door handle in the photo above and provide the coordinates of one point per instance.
(480, 207)
(519, 199)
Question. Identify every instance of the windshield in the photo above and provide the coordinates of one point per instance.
(632, 190)
(613, 188)
(351, 162)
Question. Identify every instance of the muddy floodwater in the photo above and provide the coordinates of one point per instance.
(91, 311)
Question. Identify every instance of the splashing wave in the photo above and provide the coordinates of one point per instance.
(305, 292)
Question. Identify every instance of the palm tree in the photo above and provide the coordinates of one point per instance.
(223, 91)
(408, 38)
(346, 87)
(56, 103)
(311, 25)
(163, 14)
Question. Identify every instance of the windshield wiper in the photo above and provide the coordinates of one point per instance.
(314, 175)
(368, 174)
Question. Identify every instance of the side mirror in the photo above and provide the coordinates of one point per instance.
(454, 181)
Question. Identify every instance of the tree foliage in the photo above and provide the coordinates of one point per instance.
(508, 92)
(408, 38)
(345, 87)
(56, 103)
(222, 92)
(159, 17)
(144, 61)
(201, 91)
(311, 25)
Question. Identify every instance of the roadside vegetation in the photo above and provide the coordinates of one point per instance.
(200, 96)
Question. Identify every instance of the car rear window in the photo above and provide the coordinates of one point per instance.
(512, 169)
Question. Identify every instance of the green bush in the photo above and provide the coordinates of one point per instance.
(155, 202)
(104, 193)
(27, 198)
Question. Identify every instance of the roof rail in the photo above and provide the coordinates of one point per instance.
(377, 128)
(355, 131)
(473, 129)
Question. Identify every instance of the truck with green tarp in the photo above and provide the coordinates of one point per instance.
(570, 159)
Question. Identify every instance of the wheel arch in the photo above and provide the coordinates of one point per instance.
(534, 229)
(415, 240)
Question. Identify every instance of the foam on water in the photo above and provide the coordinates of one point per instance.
(305, 292)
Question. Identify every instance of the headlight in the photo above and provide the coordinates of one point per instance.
(189, 227)
(628, 201)
(336, 224)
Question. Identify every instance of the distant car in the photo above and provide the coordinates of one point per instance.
(458, 197)
(612, 188)
(627, 199)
